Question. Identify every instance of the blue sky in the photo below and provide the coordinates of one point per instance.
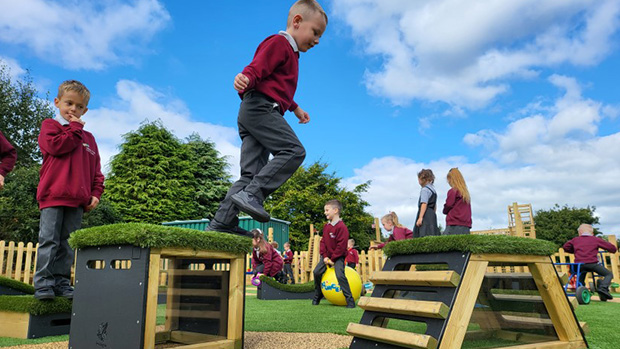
(520, 95)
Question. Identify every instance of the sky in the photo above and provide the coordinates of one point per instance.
(520, 95)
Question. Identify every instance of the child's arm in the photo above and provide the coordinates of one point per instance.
(422, 212)
(303, 117)
(568, 247)
(57, 140)
(97, 186)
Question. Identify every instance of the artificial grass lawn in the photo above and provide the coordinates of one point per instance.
(16, 285)
(301, 316)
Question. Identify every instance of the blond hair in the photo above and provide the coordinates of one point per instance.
(427, 176)
(305, 8)
(586, 229)
(456, 181)
(392, 218)
(76, 86)
(262, 244)
(335, 204)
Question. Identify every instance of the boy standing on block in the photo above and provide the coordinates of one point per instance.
(267, 86)
(8, 156)
(333, 253)
(70, 183)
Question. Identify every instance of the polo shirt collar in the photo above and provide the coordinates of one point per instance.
(333, 223)
(290, 40)
(61, 120)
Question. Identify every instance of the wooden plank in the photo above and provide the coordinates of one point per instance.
(18, 262)
(524, 337)
(394, 337)
(185, 337)
(199, 292)
(236, 301)
(444, 278)
(518, 298)
(150, 321)
(549, 345)
(172, 296)
(2, 249)
(435, 310)
(557, 305)
(188, 272)
(504, 258)
(223, 344)
(196, 314)
(14, 325)
(9, 260)
(186, 252)
(28, 266)
(458, 320)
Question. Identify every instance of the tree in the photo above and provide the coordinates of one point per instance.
(103, 214)
(559, 224)
(21, 115)
(302, 198)
(19, 209)
(211, 177)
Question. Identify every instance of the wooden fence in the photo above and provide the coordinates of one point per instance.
(18, 261)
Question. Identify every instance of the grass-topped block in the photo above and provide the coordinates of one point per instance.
(270, 289)
(13, 287)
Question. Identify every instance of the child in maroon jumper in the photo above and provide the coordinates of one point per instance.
(267, 86)
(585, 247)
(265, 258)
(8, 156)
(391, 224)
(333, 250)
(70, 184)
(288, 260)
(458, 205)
(353, 258)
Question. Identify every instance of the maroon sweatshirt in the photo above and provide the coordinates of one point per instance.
(586, 248)
(274, 71)
(398, 233)
(288, 256)
(8, 156)
(271, 260)
(352, 256)
(334, 241)
(71, 171)
(457, 210)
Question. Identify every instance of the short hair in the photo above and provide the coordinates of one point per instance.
(585, 228)
(335, 203)
(274, 244)
(76, 86)
(352, 241)
(426, 175)
(305, 8)
(287, 243)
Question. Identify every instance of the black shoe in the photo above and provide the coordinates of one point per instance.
(604, 294)
(64, 291)
(230, 229)
(44, 294)
(350, 305)
(249, 204)
(316, 300)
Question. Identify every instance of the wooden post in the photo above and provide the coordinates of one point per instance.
(235, 302)
(150, 319)
(377, 229)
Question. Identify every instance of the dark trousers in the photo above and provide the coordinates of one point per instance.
(263, 131)
(288, 270)
(599, 269)
(55, 256)
(351, 265)
(320, 269)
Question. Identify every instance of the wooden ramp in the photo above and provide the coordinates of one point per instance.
(440, 300)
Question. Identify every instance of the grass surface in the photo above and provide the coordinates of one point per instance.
(28, 304)
(16, 285)
(471, 243)
(158, 236)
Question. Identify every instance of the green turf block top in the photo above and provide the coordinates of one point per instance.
(16, 285)
(159, 236)
(296, 288)
(501, 244)
(28, 304)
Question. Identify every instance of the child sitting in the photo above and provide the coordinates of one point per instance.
(585, 247)
(265, 258)
(353, 258)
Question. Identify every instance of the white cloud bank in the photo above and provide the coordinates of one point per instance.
(462, 52)
(552, 155)
(137, 103)
(82, 34)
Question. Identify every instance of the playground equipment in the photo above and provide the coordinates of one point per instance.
(520, 223)
(117, 279)
(331, 289)
(582, 293)
(435, 308)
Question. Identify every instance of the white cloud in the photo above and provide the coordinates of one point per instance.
(137, 103)
(14, 69)
(553, 156)
(82, 34)
(465, 53)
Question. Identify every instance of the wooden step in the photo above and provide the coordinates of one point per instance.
(430, 309)
(518, 298)
(435, 278)
(394, 337)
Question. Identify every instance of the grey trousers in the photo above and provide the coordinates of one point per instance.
(263, 131)
(55, 256)
(320, 269)
(600, 270)
(456, 230)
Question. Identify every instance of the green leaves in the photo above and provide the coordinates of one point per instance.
(559, 224)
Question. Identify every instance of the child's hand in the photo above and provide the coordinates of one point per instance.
(241, 82)
(78, 120)
(92, 204)
(419, 222)
(1, 181)
(303, 117)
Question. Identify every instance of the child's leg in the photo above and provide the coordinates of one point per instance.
(50, 227)
(61, 266)
(318, 272)
(342, 281)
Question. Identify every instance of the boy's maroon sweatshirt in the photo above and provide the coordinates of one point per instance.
(71, 171)
(586, 248)
(8, 156)
(334, 241)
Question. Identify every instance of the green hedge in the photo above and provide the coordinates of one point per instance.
(159, 236)
(28, 304)
(296, 288)
(16, 285)
(501, 244)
